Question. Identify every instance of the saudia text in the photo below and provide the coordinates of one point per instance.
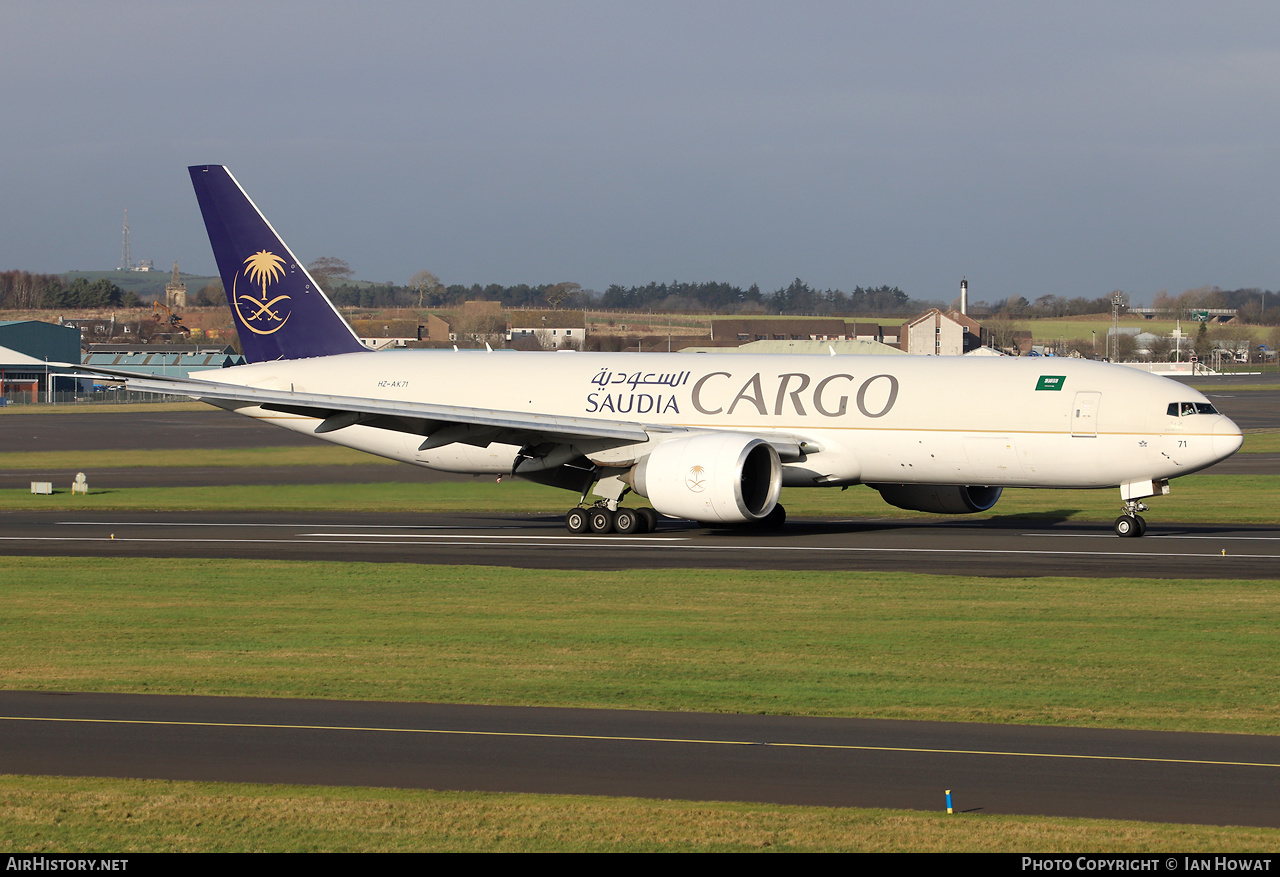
(720, 393)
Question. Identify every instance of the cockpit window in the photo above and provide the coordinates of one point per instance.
(1186, 409)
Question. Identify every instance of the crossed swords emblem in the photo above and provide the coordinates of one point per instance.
(262, 268)
(263, 307)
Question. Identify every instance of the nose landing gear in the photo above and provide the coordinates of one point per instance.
(1131, 523)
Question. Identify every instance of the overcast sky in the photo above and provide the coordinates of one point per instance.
(1069, 149)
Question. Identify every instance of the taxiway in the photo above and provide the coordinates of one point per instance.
(1215, 779)
(996, 548)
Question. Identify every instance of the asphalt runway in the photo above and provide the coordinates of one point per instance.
(995, 548)
(140, 430)
(1214, 779)
(1250, 409)
(1252, 401)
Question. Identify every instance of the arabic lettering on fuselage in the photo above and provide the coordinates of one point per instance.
(712, 394)
(607, 378)
(612, 397)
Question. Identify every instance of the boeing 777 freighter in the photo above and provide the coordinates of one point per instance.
(712, 438)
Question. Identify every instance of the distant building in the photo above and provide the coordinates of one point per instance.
(27, 349)
(173, 360)
(94, 330)
(890, 335)
(550, 329)
(382, 334)
(935, 333)
(1208, 315)
(857, 347)
(735, 332)
(439, 329)
(482, 322)
(175, 293)
(40, 340)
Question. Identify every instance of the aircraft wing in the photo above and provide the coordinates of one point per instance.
(438, 424)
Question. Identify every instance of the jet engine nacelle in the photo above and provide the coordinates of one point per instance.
(719, 477)
(940, 499)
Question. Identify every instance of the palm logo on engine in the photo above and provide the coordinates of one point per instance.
(262, 315)
(696, 479)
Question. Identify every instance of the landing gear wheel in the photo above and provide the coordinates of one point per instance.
(649, 519)
(1127, 525)
(600, 521)
(626, 522)
(576, 521)
(1131, 523)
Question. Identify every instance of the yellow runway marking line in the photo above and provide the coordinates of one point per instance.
(630, 739)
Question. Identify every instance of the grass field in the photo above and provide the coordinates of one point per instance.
(1126, 653)
(59, 815)
(1076, 328)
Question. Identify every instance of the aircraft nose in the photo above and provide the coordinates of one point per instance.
(1227, 438)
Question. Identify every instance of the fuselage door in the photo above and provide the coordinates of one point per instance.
(1084, 414)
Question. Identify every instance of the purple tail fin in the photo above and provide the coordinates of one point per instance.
(279, 311)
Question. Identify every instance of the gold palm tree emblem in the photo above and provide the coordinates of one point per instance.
(264, 268)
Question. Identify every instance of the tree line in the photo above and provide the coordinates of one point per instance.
(676, 296)
(22, 290)
(796, 298)
(425, 290)
(387, 295)
(1017, 307)
(1253, 305)
(1257, 306)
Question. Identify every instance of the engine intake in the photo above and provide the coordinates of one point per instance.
(721, 477)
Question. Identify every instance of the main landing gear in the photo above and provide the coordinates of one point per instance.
(606, 516)
(601, 520)
(1131, 523)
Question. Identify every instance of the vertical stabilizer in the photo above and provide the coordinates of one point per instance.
(279, 311)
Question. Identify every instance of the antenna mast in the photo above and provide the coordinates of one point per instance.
(125, 261)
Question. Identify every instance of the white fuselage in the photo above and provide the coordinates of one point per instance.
(1028, 422)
